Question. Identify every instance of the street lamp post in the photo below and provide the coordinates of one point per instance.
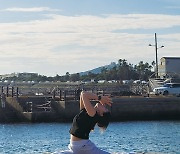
(156, 49)
(155, 38)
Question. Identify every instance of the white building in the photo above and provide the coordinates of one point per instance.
(169, 66)
(27, 75)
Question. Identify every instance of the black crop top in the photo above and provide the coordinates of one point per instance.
(83, 124)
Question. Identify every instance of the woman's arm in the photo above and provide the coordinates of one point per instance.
(105, 100)
(85, 99)
(81, 102)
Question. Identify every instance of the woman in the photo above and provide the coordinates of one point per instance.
(85, 121)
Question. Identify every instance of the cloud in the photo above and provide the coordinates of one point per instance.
(78, 43)
(33, 9)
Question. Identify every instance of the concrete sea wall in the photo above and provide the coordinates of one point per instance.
(146, 108)
(122, 109)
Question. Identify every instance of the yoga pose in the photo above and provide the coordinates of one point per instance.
(85, 121)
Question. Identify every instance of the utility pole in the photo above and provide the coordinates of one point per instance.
(156, 49)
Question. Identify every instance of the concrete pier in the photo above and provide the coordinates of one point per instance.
(146, 108)
(41, 109)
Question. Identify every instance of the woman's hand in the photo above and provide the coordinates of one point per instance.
(105, 100)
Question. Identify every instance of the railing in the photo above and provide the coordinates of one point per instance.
(56, 93)
(44, 107)
(41, 95)
(10, 91)
(140, 89)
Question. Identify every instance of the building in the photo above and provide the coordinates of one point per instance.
(169, 66)
(24, 75)
(27, 75)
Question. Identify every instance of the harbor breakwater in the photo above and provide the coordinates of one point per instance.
(43, 109)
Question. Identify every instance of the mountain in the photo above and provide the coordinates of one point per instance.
(98, 69)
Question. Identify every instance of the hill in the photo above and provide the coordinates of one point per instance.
(98, 69)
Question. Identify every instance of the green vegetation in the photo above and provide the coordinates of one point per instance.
(121, 71)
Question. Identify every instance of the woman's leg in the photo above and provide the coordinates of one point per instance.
(83, 147)
(65, 151)
(90, 148)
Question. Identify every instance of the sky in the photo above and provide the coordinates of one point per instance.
(51, 37)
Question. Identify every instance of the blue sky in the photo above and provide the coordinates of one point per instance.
(52, 37)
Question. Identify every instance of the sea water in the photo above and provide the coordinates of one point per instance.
(140, 137)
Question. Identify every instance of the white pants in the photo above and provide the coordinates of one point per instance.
(82, 147)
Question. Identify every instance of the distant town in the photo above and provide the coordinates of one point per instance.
(122, 70)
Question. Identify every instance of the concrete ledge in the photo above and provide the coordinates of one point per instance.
(145, 109)
(122, 109)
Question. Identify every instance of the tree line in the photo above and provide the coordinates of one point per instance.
(121, 71)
